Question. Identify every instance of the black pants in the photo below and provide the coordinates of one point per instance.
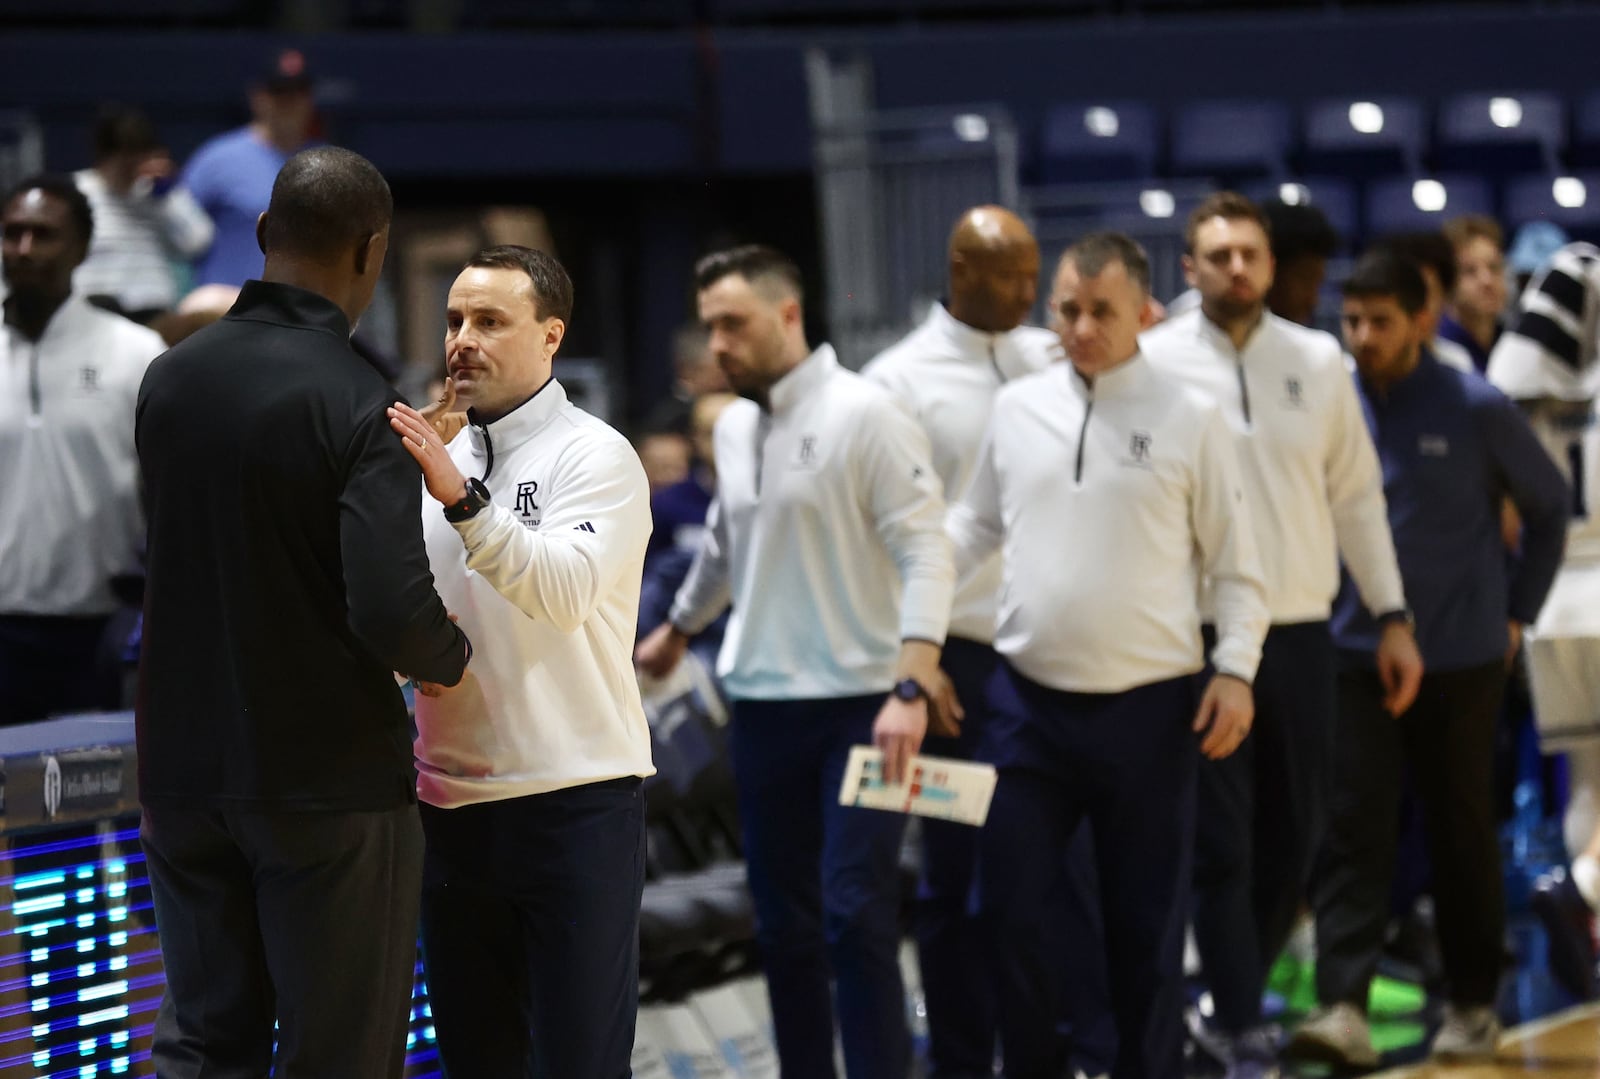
(530, 932)
(1447, 741)
(1261, 812)
(306, 918)
(50, 665)
(1125, 764)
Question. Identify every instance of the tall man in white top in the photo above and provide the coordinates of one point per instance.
(947, 371)
(530, 770)
(827, 536)
(1109, 491)
(1316, 493)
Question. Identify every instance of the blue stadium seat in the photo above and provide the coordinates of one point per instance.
(1336, 198)
(1230, 139)
(1363, 136)
(1501, 133)
(1586, 131)
(1573, 202)
(1086, 141)
(1409, 204)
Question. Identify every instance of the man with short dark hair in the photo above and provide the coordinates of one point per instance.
(1312, 477)
(1452, 449)
(69, 501)
(826, 535)
(1435, 259)
(1110, 493)
(143, 219)
(287, 584)
(1303, 241)
(531, 770)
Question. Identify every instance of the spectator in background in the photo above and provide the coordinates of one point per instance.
(695, 374)
(1478, 303)
(679, 512)
(144, 222)
(666, 457)
(1302, 242)
(231, 175)
(69, 503)
(1435, 260)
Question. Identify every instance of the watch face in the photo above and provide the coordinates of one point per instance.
(907, 690)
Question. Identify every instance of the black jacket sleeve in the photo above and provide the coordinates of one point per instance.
(389, 593)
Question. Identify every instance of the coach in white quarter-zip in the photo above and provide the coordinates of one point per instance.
(827, 537)
(946, 371)
(1109, 491)
(1316, 494)
(530, 771)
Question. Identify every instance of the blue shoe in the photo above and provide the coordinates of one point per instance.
(1569, 925)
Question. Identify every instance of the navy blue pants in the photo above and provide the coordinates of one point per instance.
(1126, 763)
(826, 886)
(530, 932)
(1261, 817)
(950, 948)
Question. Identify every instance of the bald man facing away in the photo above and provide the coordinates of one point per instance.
(946, 372)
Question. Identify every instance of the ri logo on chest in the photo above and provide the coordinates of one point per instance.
(526, 508)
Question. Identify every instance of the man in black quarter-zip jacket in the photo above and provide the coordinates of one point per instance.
(288, 582)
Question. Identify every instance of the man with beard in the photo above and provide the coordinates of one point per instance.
(1452, 449)
(946, 372)
(827, 537)
(1313, 481)
(69, 502)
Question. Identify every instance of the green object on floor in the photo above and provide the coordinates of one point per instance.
(1389, 998)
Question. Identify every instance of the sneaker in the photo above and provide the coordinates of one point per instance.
(1338, 1035)
(1569, 925)
(1467, 1034)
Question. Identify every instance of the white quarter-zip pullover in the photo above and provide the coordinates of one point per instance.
(1310, 472)
(1108, 501)
(69, 499)
(546, 584)
(825, 534)
(947, 373)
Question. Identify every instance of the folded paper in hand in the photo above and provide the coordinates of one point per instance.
(939, 787)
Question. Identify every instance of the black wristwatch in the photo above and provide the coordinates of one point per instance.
(909, 689)
(1400, 616)
(476, 499)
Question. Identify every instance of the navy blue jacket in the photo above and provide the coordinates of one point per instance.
(1452, 446)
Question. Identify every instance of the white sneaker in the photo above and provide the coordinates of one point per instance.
(1467, 1034)
(1338, 1035)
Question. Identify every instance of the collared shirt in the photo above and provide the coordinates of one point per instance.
(69, 497)
(288, 581)
(1310, 472)
(1452, 448)
(1108, 501)
(1456, 334)
(947, 373)
(826, 535)
(545, 580)
(137, 235)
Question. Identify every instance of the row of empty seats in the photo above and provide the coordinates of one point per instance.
(1493, 133)
(1356, 210)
